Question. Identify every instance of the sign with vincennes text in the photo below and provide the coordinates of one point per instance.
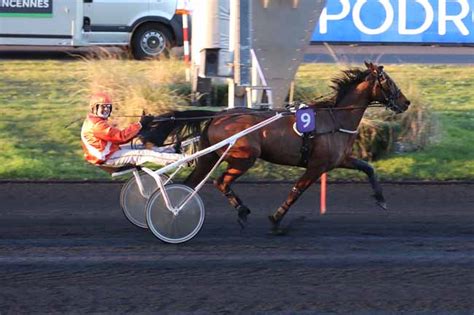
(397, 21)
(26, 8)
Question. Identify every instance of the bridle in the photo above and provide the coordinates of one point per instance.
(389, 94)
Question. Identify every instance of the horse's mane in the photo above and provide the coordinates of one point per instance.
(341, 86)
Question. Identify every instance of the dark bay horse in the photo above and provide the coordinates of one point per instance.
(337, 120)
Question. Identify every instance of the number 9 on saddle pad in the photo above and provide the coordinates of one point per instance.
(305, 120)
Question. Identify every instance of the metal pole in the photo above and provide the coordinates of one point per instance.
(240, 44)
(235, 18)
(245, 42)
(234, 48)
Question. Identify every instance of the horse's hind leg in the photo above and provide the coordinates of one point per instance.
(363, 166)
(203, 167)
(308, 178)
(235, 169)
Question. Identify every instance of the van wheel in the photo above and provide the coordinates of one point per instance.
(151, 41)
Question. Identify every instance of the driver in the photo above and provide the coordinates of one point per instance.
(103, 144)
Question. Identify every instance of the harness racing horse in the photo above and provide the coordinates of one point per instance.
(337, 117)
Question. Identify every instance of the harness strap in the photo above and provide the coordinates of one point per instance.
(306, 149)
(351, 132)
(296, 130)
(314, 133)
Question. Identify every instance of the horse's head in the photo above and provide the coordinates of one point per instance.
(385, 90)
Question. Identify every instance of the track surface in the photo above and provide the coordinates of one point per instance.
(68, 249)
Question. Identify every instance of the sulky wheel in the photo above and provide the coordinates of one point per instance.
(133, 202)
(175, 227)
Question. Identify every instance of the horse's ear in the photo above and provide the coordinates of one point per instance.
(372, 68)
(143, 112)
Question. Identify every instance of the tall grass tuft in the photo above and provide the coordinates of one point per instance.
(154, 86)
(382, 132)
(419, 126)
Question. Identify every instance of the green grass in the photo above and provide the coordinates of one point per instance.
(38, 99)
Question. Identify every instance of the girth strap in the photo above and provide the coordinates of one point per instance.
(306, 149)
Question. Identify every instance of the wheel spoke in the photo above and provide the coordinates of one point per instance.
(172, 228)
(133, 203)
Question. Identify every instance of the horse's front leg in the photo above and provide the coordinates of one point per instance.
(308, 178)
(363, 166)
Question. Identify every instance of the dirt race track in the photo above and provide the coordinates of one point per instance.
(67, 248)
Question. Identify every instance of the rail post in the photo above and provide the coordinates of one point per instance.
(184, 10)
(323, 208)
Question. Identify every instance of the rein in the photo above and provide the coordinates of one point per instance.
(287, 112)
(263, 112)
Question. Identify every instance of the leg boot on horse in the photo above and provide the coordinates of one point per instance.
(223, 185)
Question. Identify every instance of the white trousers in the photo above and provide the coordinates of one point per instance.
(128, 156)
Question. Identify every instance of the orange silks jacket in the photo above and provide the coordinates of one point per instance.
(100, 140)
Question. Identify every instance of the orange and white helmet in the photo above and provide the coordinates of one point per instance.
(100, 98)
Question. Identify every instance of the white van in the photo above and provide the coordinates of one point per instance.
(148, 27)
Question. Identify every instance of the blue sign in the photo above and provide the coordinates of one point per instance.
(397, 21)
(305, 120)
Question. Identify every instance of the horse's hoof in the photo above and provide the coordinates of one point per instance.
(275, 229)
(279, 231)
(380, 201)
(242, 224)
(273, 221)
(242, 213)
(382, 204)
